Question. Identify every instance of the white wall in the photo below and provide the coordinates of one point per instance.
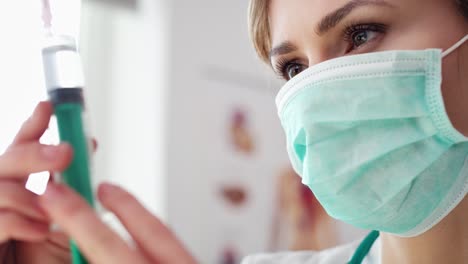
(21, 77)
(125, 65)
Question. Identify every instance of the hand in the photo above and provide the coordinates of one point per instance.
(154, 242)
(24, 227)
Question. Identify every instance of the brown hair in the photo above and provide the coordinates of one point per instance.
(259, 27)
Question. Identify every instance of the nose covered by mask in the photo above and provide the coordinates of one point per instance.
(369, 134)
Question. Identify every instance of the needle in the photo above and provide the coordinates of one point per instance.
(46, 16)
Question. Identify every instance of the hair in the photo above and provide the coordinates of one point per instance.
(463, 7)
(259, 28)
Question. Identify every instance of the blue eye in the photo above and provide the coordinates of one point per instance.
(359, 35)
(293, 69)
(360, 38)
(287, 69)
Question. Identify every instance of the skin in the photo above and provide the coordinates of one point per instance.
(412, 24)
(21, 218)
(25, 217)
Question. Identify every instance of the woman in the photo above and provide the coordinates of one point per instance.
(367, 127)
(365, 131)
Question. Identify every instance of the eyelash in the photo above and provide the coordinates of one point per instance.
(348, 33)
(281, 66)
(350, 30)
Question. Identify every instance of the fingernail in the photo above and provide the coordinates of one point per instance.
(106, 189)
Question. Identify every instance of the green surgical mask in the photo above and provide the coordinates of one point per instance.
(369, 134)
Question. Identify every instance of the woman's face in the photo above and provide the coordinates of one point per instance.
(307, 32)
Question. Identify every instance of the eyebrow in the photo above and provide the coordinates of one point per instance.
(335, 17)
(329, 22)
(283, 48)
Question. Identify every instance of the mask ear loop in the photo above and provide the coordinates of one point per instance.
(454, 47)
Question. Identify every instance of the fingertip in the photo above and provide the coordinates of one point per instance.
(106, 189)
(44, 107)
(36, 124)
(44, 104)
(112, 195)
(65, 147)
(64, 156)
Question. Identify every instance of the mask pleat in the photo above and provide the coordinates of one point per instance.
(396, 170)
(361, 144)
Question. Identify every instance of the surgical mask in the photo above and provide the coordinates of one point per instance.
(369, 134)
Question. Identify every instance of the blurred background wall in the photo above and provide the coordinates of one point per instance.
(220, 92)
(125, 50)
(184, 115)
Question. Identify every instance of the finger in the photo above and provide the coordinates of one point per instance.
(97, 242)
(35, 126)
(14, 226)
(28, 158)
(59, 240)
(14, 197)
(150, 234)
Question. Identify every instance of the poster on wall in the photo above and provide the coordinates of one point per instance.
(246, 153)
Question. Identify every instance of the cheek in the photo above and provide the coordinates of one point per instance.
(455, 90)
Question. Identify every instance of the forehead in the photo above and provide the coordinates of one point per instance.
(287, 16)
(295, 19)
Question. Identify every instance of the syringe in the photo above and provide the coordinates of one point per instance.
(64, 83)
